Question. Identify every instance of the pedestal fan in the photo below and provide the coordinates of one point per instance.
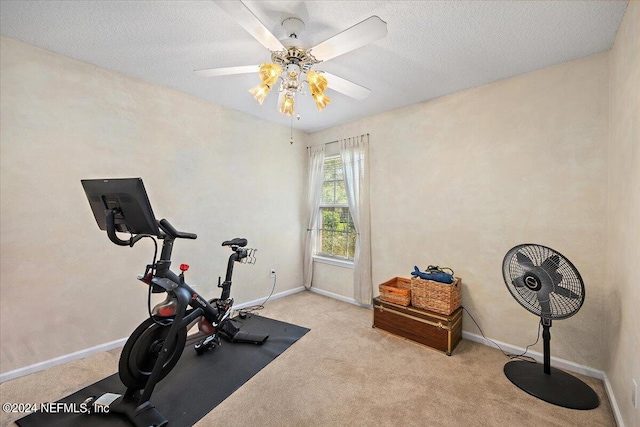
(548, 285)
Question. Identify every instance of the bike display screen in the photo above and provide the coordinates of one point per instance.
(127, 198)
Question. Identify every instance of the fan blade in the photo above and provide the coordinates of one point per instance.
(524, 261)
(556, 278)
(346, 87)
(552, 263)
(243, 15)
(518, 282)
(367, 31)
(227, 71)
(565, 292)
(550, 266)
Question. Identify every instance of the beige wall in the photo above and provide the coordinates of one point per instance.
(331, 278)
(459, 180)
(623, 232)
(209, 170)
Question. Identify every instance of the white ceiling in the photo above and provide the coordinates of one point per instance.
(433, 48)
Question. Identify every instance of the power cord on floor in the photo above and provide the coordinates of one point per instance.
(244, 311)
(521, 356)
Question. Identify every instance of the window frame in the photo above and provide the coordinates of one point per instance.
(326, 257)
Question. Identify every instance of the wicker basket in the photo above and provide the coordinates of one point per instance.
(435, 296)
(396, 291)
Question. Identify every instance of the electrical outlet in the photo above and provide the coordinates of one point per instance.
(272, 273)
(634, 393)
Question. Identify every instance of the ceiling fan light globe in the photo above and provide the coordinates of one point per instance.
(321, 100)
(317, 82)
(260, 92)
(315, 90)
(269, 73)
(286, 107)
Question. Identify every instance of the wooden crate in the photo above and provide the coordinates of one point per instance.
(396, 290)
(438, 331)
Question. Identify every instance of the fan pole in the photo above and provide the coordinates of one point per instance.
(546, 340)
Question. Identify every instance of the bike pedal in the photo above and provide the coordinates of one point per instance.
(210, 342)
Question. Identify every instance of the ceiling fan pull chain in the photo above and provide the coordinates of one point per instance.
(291, 130)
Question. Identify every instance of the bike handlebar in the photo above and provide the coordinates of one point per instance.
(172, 232)
(165, 225)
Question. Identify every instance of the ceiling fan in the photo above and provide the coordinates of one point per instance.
(291, 59)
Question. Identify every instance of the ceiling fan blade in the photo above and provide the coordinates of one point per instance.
(243, 15)
(367, 31)
(227, 71)
(346, 87)
(280, 98)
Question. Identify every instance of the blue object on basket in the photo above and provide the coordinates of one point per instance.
(438, 277)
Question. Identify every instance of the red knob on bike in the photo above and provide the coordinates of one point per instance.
(184, 267)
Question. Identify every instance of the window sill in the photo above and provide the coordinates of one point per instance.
(333, 261)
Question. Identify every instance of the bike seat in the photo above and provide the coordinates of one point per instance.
(235, 242)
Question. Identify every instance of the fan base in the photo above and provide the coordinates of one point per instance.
(559, 388)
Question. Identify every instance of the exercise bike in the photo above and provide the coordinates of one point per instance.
(154, 347)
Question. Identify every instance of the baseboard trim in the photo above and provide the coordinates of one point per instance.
(338, 297)
(614, 404)
(555, 362)
(41, 366)
(273, 297)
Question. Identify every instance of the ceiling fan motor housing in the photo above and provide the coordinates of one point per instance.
(295, 51)
(294, 55)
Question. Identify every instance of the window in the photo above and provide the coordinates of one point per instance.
(337, 236)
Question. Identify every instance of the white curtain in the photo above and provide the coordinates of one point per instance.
(355, 162)
(314, 196)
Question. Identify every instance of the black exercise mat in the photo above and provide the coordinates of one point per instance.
(195, 386)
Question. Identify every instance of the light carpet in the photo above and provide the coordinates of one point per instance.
(344, 372)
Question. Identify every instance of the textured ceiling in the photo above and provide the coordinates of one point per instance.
(433, 48)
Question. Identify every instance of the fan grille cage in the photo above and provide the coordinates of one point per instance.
(561, 306)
